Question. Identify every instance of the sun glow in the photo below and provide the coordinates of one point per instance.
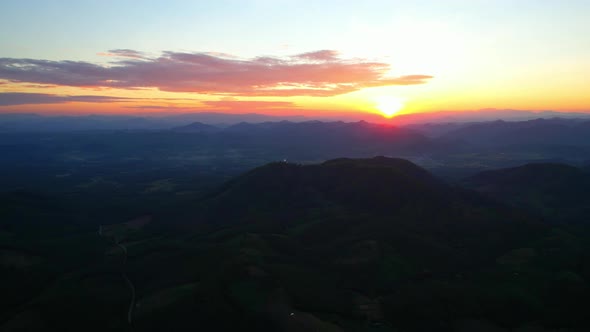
(389, 106)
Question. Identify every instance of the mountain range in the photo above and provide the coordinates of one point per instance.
(343, 245)
(18, 122)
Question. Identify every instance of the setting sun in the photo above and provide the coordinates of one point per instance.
(389, 106)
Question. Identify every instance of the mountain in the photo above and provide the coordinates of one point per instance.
(196, 127)
(555, 191)
(286, 188)
(437, 129)
(19, 122)
(226, 119)
(546, 132)
(343, 245)
(355, 200)
(62, 123)
(317, 140)
(382, 233)
(330, 139)
(25, 122)
(483, 115)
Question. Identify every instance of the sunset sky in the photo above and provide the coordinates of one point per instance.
(293, 57)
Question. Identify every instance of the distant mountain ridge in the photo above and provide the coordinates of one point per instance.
(196, 127)
(311, 139)
(538, 131)
(11, 122)
(15, 122)
(484, 115)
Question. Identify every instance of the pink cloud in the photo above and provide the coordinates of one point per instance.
(248, 104)
(320, 73)
(323, 55)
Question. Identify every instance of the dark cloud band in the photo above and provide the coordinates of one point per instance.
(22, 98)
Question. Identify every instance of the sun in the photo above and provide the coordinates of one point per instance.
(389, 106)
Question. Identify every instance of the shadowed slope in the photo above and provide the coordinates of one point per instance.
(556, 191)
(351, 200)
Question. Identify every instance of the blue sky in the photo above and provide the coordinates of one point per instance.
(82, 28)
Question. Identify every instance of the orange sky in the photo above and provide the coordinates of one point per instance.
(375, 57)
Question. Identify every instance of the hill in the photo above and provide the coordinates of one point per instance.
(360, 199)
(330, 139)
(344, 245)
(383, 233)
(543, 132)
(555, 191)
(196, 127)
(483, 115)
(26, 122)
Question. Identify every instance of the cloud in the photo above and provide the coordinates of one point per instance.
(248, 104)
(157, 107)
(323, 55)
(21, 98)
(319, 73)
(39, 86)
(225, 104)
(124, 53)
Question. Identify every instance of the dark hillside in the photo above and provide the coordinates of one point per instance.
(555, 191)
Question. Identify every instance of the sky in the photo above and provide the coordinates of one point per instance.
(293, 57)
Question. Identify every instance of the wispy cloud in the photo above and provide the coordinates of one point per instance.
(247, 104)
(123, 53)
(21, 98)
(323, 55)
(225, 104)
(319, 73)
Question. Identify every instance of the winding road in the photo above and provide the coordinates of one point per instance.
(129, 283)
(125, 277)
